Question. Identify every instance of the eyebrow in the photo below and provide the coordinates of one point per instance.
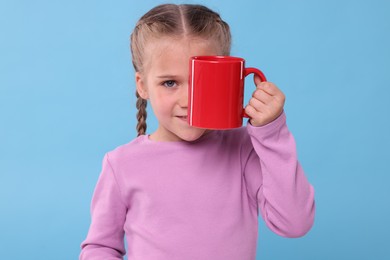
(167, 76)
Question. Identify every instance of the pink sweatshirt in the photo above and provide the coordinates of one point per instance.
(199, 200)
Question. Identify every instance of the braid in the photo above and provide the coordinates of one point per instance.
(141, 114)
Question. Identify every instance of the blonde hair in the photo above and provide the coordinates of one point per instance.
(175, 20)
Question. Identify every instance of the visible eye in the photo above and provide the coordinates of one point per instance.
(169, 83)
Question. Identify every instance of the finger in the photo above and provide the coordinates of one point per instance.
(258, 105)
(256, 118)
(262, 96)
(257, 80)
(270, 88)
(251, 111)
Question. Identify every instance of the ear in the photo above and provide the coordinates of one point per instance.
(141, 86)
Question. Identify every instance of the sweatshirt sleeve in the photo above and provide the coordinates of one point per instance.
(105, 239)
(276, 181)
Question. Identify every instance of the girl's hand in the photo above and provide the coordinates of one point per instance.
(266, 103)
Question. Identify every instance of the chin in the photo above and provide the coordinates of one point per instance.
(193, 135)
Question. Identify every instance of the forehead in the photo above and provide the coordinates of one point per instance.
(173, 53)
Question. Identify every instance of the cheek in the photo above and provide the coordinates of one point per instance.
(161, 103)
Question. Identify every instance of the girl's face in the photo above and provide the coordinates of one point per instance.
(164, 82)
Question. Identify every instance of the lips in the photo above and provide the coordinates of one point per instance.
(182, 117)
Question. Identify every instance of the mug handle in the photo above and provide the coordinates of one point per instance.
(258, 72)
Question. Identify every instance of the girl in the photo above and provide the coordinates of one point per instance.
(188, 193)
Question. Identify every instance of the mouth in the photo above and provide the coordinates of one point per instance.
(184, 118)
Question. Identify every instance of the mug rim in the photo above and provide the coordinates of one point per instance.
(217, 58)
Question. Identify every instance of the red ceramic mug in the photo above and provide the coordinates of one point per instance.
(216, 91)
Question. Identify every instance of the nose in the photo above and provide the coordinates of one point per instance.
(183, 96)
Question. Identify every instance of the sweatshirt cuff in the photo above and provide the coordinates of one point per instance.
(268, 128)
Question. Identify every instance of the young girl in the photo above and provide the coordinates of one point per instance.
(188, 193)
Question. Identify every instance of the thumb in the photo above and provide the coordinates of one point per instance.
(257, 80)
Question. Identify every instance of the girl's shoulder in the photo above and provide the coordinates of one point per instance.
(127, 151)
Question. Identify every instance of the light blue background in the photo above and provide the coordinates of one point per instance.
(67, 97)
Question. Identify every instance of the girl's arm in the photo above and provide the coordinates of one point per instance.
(108, 211)
(276, 181)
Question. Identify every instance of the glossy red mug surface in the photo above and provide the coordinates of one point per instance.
(216, 91)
